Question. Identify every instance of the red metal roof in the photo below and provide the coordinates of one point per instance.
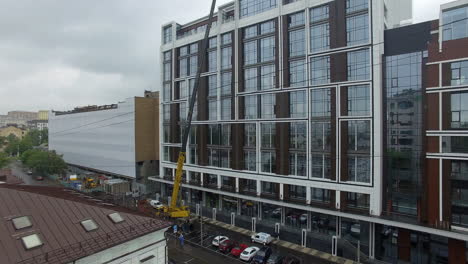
(56, 214)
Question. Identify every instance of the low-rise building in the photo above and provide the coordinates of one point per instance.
(12, 130)
(42, 224)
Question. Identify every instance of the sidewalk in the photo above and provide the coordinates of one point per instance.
(281, 243)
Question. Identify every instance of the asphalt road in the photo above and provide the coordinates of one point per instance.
(21, 173)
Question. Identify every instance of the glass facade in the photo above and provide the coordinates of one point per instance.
(459, 110)
(459, 193)
(404, 135)
(459, 73)
(358, 65)
(252, 7)
(320, 70)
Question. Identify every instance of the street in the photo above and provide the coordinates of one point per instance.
(21, 173)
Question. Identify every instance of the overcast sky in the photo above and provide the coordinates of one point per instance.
(57, 54)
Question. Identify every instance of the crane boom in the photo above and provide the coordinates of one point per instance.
(173, 209)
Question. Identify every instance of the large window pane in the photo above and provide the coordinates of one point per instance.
(320, 37)
(226, 83)
(359, 136)
(320, 103)
(267, 49)
(455, 23)
(459, 72)
(250, 53)
(268, 77)
(250, 81)
(297, 73)
(226, 58)
(459, 110)
(297, 43)
(250, 107)
(212, 61)
(268, 106)
(320, 70)
(357, 29)
(226, 109)
(358, 100)
(297, 104)
(358, 65)
(356, 5)
(252, 7)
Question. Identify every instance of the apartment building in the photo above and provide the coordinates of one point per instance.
(310, 120)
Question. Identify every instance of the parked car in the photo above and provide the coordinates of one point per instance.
(291, 260)
(218, 240)
(355, 230)
(226, 246)
(262, 255)
(276, 213)
(237, 250)
(303, 218)
(29, 172)
(39, 178)
(155, 203)
(275, 259)
(248, 253)
(262, 238)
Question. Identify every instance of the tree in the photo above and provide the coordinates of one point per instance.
(38, 137)
(44, 162)
(4, 160)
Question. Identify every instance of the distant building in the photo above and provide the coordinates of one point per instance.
(43, 115)
(19, 118)
(119, 140)
(56, 225)
(38, 124)
(12, 130)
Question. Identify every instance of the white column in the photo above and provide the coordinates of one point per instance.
(281, 191)
(308, 195)
(259, 187)
(219, 181)
(237, 185)
(338, 199)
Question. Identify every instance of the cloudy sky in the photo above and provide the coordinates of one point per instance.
(57, 54)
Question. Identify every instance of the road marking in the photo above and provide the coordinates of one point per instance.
(186, 262)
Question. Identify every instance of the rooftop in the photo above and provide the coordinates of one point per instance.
(41, 224)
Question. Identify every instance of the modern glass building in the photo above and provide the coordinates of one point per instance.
(310, 117)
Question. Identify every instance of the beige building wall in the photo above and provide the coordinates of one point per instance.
(43, 115)
(146, 129)
(6, 131)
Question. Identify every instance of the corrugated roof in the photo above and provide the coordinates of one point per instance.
(56, 214)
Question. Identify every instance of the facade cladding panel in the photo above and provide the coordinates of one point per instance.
(324, 117)
(101, 140)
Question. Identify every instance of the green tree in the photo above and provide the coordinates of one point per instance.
(38, 137)
(44, 162)
(4, 160)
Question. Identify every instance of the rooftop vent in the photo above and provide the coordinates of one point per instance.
(89, 225)
(21, 222)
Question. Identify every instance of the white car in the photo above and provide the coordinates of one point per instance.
(249, 253)
(262, 238)
(218, 240)
(156, 204)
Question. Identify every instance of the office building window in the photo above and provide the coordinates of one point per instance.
(166, 92)
(319, 37)
(297, 73)
(455, 23)
(193, 67)
(268, 77)
(358, 65)
(212, 109)
(268, 161)
(319, 195)
(270, 188)
(297, 149)
(359, 136)
(320, 70)
(167, 71)
(358, 100)
(250, 107)
(321, 103)
(268, 135)
(356, 5)
(297, 192)
(267, 49)
(357, 29)
(358, 146)
(268, 106)
(226, 39)
(250, 135)
(250, 53)
(298, 104)
(252, 7)
(250, 160)
(226, 58)
(212, 60)
(250, 32)
(267, 27)
(455, 144)
(212, 86)
(297, 43)
(459, 73)
(226, 109)
(318, 14)
(357, 200)
(320, 136)
(459, 110)
(226, 83)
(167, 34)
(251, 81)
(212, 42)
(183, 71)
(297, 19)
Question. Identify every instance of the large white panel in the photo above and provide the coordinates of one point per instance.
(102, 140)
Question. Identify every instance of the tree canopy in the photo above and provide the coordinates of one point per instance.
(4, 160)
(44, 162)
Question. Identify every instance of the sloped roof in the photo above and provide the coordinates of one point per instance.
(56, 214)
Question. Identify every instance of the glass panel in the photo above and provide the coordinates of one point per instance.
(250, 53)
(116, 217)
(297, 73)
(455, 23)
(251, 81)
(320, 37)
(21, 222)
(297, 104)
(319, 13)
(31, 241)
(357, 29)
(226, 58)
(320, 70)
(358, 65)
(268, 77)
(268, 106)
(250, 107)
(358, 100)
(297, 19)
(267, 49)
(297, 43)
(252, 7)
(89, 225)
(320, 101)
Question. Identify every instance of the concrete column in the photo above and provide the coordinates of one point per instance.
(337, 199)
(237, 185)
(219, 181)
(201, 178)
(187, 175)
(308, 195)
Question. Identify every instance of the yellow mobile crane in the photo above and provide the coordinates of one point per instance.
(174, 209)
